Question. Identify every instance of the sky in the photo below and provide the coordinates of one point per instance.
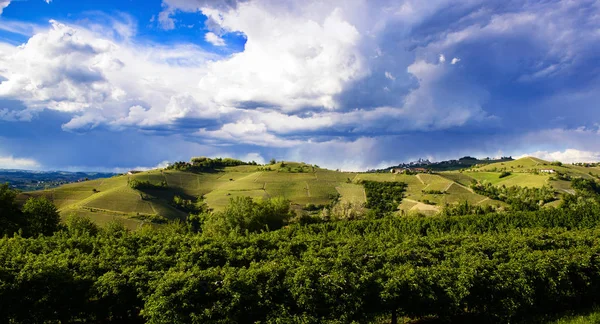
(348, 84)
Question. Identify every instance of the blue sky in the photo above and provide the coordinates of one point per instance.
(110, 85)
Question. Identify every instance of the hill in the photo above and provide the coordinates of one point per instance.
(112, 198)
(533, 172)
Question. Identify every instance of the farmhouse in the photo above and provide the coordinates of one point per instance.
(547, 171)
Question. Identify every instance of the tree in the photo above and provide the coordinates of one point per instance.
(273, 161)
(244, 214)
(10, 215)
(41, 217)
(78, 225)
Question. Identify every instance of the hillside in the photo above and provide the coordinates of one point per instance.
(533, 172)
(112, 198)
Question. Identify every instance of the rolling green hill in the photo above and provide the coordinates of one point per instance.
(107, 199)
(529, 172)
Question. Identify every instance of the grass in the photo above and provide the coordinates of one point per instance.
(434, 182)
(525, 180)
(219, 199)
(520, 165)
(122, 199)
(291, 190)
(562, 186)
(376, 177)
(531, 165)
(103, 218)
(515, 179)
(491, 177)
(458, 177)
(351, 193)
(592, 317)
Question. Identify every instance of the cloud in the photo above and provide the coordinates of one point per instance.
(337, 154)
(172, 7)
(214, 39)
(98, 79)
(20, 28)
(165, 19)
(281, 67)
(10, 162)
(319, 75)
(253, 156)
(3, 4)
(248, 132)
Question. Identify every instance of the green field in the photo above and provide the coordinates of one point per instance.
(515, 179)
(112, 198)
(534, 165)
(526, 163)
(458, 177)
(352, 193)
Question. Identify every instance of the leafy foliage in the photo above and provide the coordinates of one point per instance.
(433, 192)
(504, 174)
(190, 206)
(41, 216)
(492, 268)
(586, 187)
(244, 214)
(384, 197)
(38, 216)
(145, 185)
(200, 164)
(465, 208)
(10, 215)
(519, 198)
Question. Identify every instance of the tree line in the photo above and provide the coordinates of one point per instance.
(203, 164)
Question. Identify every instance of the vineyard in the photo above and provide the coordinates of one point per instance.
(510, 267)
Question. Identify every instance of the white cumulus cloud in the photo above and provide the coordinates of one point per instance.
(10, 162)
(214, 39)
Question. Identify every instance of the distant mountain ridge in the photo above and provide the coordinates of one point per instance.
(449, 165)
(30, 180)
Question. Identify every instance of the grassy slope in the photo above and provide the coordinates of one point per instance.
(530, 164)
(592, 317)
(352, 193)
(114, 199)
(523, 173)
